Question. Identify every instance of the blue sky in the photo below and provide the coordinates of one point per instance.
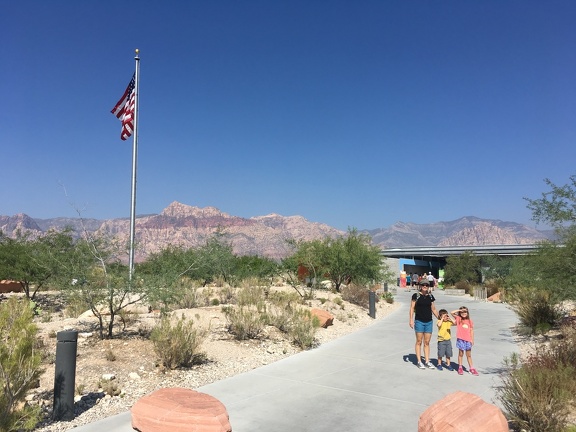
(351, 113)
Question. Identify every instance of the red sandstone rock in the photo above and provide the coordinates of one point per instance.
(326, 319)
(462, 412)
(494, 298)
(179, 410)
(7, 286)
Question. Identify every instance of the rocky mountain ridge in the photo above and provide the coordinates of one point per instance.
(189, 226)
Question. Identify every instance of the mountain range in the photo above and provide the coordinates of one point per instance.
(189, 226)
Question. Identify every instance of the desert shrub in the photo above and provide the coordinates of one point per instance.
(127, 318)
(251, 295)
(534, 307)
(245, 322)
(388, 297)
(302, 329)
(249, 281)
(356, 294)
(492, 286)
(189, 299)
(178, 345)
(537, 398)
(75, 306)
(19, 365)
(277, 316)
(465, 285)
(110, 356)
(227, 295)
(110, 387)
(560, 351)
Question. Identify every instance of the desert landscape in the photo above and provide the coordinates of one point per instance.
(112, 374)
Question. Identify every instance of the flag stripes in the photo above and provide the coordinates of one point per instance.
(124, 109)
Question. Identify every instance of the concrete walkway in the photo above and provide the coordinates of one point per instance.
(365, 381)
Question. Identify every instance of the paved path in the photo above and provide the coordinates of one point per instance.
(365, 381)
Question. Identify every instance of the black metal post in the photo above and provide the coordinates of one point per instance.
(372, 304)
(385, 287)
(65, 375)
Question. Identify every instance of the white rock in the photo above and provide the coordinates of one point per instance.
(133, 376)
(109, 377)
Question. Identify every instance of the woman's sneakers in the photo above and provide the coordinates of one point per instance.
(423, 366)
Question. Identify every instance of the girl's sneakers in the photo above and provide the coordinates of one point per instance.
(474, 372)
(460, 370)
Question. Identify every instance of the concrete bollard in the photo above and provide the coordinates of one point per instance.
(372, 304)
(65, 375)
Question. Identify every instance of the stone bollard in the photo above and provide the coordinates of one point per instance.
(65, 375)
(372, 304)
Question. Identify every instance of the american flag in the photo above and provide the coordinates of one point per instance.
(124, 109)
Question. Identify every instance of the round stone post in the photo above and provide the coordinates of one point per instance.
(372, 304)
(65, 375)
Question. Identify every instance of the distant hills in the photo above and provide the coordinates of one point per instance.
(466, 231)
(189, 226)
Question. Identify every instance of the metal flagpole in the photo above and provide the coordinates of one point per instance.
(134, 165)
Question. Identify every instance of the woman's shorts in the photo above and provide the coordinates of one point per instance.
(463, 345)
(423, 327)
(444, 348)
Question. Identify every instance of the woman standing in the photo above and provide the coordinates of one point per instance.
(422, 309)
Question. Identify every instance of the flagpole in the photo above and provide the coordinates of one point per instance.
(134, 166)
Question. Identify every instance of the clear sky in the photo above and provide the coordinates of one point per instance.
(351, 113)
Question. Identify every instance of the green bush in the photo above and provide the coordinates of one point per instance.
(537, 398)
(534, 308)
(19, 365)
(245, 322)
(178, 345)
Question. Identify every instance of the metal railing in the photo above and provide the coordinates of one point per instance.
(480, 294)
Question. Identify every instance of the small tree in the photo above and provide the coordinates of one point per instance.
(350, 258)
(553, 267)
(463, 268)
(165, 275)
(306, 256)
(216, 258)
(34, 262)
(19, 365)
(95, 276)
